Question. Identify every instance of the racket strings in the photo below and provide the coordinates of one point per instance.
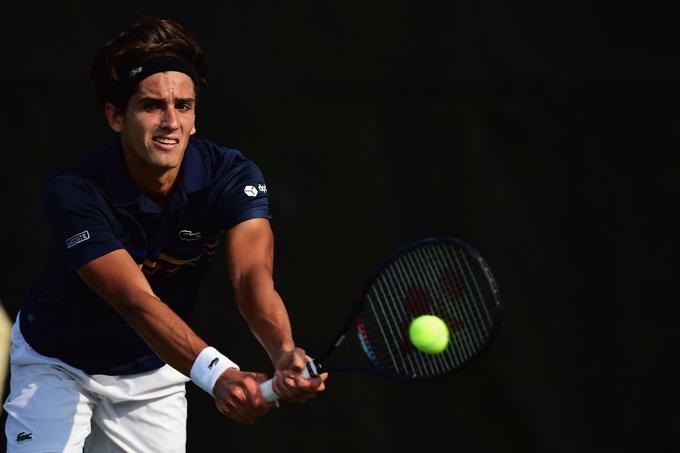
(439, 279)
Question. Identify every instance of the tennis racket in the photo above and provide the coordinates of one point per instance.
(439, 276)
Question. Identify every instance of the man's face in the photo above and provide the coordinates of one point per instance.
(158, 121)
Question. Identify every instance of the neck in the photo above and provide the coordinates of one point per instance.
(155, 183)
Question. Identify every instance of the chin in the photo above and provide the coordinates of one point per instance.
(166, 164)
(165, 160)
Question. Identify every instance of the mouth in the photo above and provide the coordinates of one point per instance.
(165, 143)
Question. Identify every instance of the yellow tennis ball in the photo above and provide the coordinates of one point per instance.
(429, 334)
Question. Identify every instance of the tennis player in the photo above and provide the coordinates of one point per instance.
(101, 348)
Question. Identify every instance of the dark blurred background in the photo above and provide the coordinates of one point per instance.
(547, 136)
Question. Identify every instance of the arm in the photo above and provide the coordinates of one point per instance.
(250, 258)
(117, 279)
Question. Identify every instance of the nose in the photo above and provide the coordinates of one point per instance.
(170, 120)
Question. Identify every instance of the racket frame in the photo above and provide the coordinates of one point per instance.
(350, 324)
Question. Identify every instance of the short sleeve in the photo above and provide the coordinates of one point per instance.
(240, 193)
(79, 219)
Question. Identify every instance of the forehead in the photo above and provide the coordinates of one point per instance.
(169, 84)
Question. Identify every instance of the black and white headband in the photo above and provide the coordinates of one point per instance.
(130, 76)
(143, 69)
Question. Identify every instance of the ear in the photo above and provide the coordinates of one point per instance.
(193, 130)
(114, 117)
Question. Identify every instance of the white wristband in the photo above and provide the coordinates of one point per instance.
(208, 366)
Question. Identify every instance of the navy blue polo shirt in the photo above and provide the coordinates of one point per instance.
(93, 209)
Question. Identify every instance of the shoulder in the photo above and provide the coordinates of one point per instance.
(84, 179)
(218, 160)
(70, 187)
(67, 195)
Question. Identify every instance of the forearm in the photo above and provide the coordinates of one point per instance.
(250, 259)
(164, 331)
(117, 279)
(264, 311)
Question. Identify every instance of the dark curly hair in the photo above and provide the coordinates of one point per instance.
(149, 37)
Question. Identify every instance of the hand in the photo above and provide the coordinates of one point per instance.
(288, 381)
(237, 395)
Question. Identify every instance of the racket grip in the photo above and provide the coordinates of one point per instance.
(267, 388)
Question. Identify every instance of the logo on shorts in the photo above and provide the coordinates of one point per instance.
(213, 363)
(251, 191)
(188, 235)
(77, 239)
(24, 436)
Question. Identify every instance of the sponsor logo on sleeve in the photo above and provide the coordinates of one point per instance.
(251, 191)
(77, 239)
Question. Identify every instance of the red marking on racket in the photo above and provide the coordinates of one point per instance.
(451, 283)
(417, 301)
(361, 328)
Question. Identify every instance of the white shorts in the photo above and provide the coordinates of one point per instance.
(54, 407)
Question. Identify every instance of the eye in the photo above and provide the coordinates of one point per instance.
(184, 106)
(152, 106)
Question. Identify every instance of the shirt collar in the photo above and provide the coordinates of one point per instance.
(193, 173)
(124, 192)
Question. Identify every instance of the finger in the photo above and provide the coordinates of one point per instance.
(294, 391)
(283, 386)
(261, 377)
(313, 386)
(299, 395)
(298, 389)
(322, 385)
(297, 364)
(321, 379)
(239, 401)
(255, 405)
(239, 415)
(316, 385)
(302, 382)
(232, 407)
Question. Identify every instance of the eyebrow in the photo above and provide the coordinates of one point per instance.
(161, 100)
